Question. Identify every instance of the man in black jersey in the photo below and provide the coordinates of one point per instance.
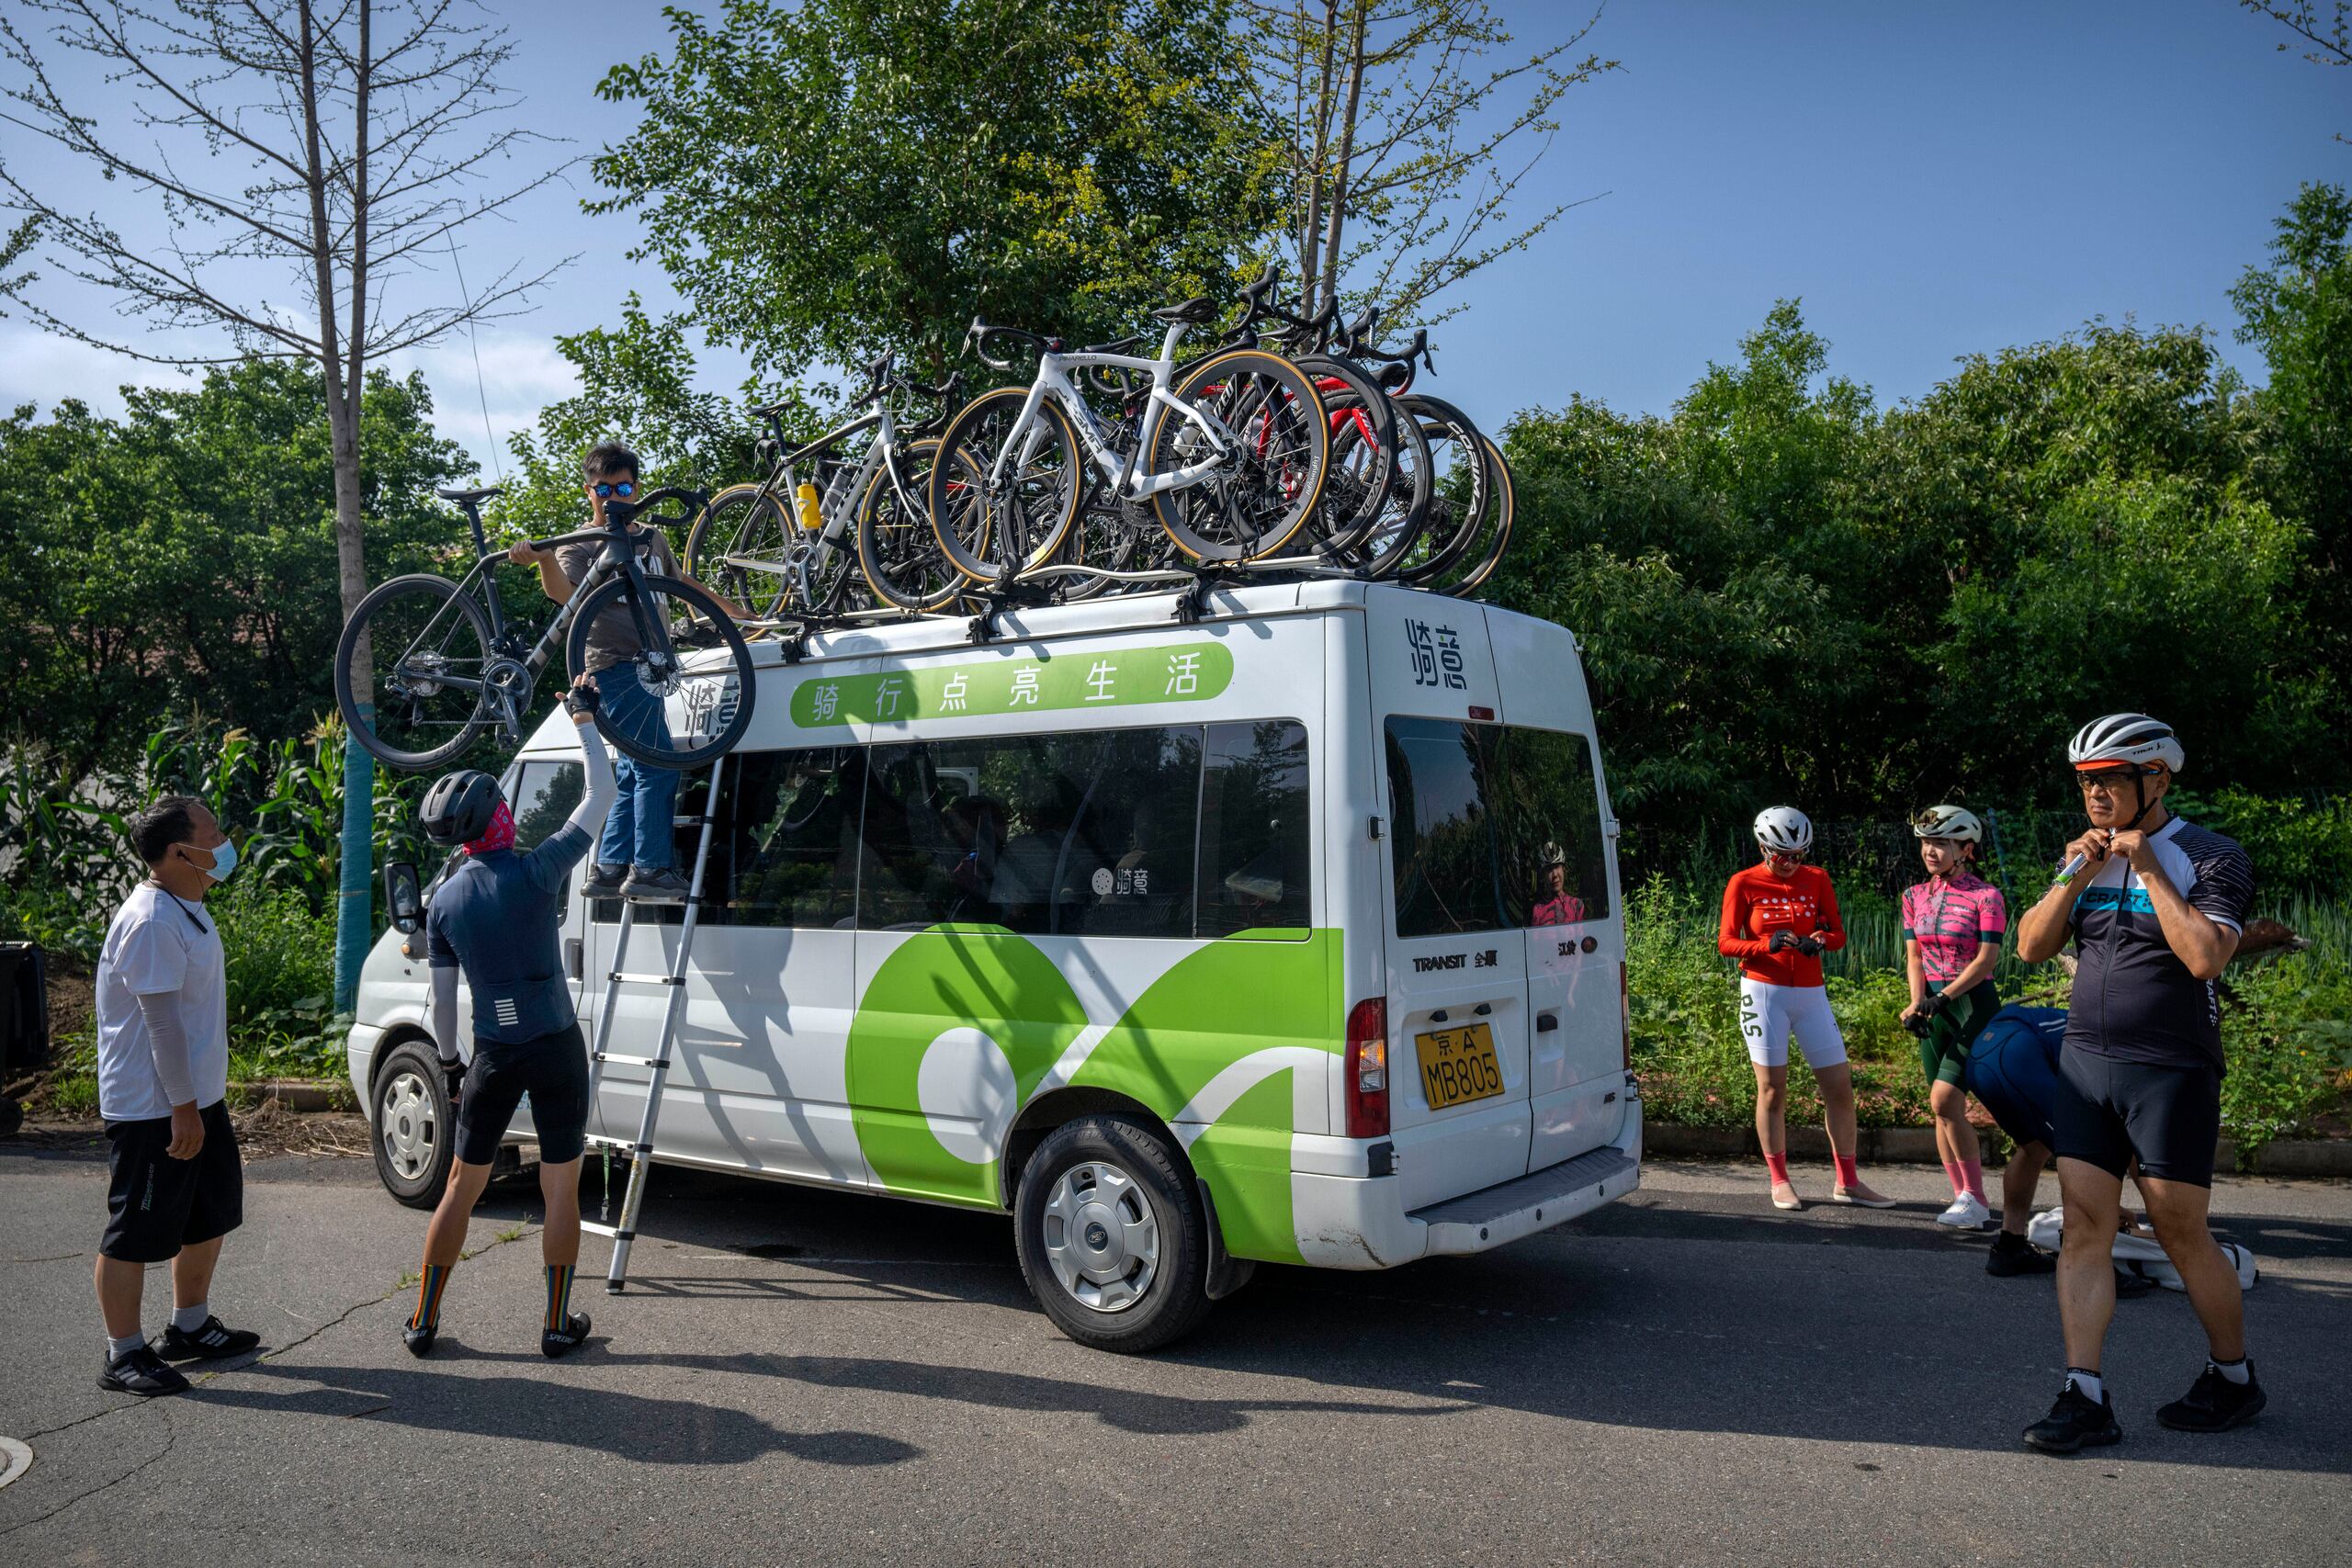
(2154, 905)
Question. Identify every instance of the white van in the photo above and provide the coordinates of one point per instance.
(1292, 933)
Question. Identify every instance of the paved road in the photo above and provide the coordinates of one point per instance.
(811, 1377)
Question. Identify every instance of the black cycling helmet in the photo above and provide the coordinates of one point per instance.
(459, 808)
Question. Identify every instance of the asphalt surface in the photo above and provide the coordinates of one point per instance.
(813, 1377)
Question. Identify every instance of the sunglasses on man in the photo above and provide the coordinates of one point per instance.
(624, 488)
(2106, 781)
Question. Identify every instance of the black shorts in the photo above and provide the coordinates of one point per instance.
(156, 1204)
(552, 1069)
(2169, 1116)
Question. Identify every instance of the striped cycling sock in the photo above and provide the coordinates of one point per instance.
(428, 1296)
(559, 1297)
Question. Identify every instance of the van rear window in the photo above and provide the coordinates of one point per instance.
(1497, 827)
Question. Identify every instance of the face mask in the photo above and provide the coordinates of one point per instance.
(224, 860)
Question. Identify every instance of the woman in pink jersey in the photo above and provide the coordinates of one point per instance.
(1952, 925)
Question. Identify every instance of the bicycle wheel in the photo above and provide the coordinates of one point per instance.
(1458, 489)
(1267, 487)
(1497, 532)
(417, 651)
(1397, 523)
(742, 545)
(673, 672)
(1363, 454)
(896, 547)
(1110, 537)
(993, 529)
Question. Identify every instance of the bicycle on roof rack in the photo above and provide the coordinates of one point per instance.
(1228, 457)
(791, 545)
(426, 666)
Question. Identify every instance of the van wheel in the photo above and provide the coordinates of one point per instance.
(415, 1127)
(1111, 1237)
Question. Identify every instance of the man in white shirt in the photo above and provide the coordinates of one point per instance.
(176, 1186)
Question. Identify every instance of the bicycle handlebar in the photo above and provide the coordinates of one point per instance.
(976, 337)
(619, 513)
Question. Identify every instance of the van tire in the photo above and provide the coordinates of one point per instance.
(1174, 1296)
(412, 1125)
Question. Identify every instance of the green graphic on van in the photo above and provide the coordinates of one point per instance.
(1119, 677)
(1211, 1048)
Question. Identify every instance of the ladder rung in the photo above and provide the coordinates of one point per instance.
(662, 1062)
(645, 980)
(593, 1228)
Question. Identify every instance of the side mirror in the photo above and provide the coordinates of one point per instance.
(402, 897)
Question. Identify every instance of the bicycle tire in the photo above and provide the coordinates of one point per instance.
(364, 727)
(1276, 390)
(1390, 542)
(1109, 537)
(1354, 494)
(890, 553)
(721, 713)
(1505, 509)
(958, 485)
(1452, 520)
(714, 537)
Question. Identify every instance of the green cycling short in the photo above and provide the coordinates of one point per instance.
(1943, 1050)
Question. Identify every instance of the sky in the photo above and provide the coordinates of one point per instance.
(1930, 180)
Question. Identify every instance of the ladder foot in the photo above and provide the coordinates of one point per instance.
(614, 1287)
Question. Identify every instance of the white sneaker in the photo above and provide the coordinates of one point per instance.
(1965, 1214)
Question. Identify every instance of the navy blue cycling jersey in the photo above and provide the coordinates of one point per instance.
(495, 919)
(2134, 1000)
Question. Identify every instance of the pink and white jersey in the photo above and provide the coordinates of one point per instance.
(1951, 919)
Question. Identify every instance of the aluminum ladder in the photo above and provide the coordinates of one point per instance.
(639, 1151)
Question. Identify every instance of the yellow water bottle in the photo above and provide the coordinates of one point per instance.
(804, 501)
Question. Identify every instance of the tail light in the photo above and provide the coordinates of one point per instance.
(1625, 1013)
(1367, 1069)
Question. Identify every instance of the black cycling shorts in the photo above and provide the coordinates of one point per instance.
(2169, 1116)
(156, 1204)
(551, 1069)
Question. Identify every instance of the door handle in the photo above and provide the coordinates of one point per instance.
(1546, 1022)
(574, 957)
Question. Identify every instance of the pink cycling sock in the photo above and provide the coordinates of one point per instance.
(1778, 1165)
(1974, 1171)
(1849, 1170)
(1957, 1174)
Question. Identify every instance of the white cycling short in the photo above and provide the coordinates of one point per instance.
(1769, 1014)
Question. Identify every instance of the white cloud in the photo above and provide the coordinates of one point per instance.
(42, 367)
(521, 373)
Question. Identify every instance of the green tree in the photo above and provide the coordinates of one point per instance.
(826, 180)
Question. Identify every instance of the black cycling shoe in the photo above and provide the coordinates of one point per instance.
(2074, 1422)
(2214, 1403)
(141, 1371)
(418, 1340)
(212, 1340)
(2012, 1254)
(554, 1342)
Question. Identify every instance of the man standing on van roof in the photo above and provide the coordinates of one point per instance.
(175, 1188)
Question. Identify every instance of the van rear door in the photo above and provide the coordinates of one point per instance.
(1456, 980)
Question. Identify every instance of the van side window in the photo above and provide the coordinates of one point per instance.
(1547, 818)
(544, 793)
(1446, 877)
(686, 838)
(1254, 828)
(791, 839)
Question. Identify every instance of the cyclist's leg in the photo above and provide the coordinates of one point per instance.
(2174, 1115)
(616, 685)
(1944, 1054)
(2093, 1149)
(2020, 1180)
(1766, 1033)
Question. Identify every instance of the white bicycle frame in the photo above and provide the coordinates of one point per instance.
(838, 504)
(1053, 378)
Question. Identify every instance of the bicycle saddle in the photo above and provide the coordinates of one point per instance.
(1198, 309)
(462, 496)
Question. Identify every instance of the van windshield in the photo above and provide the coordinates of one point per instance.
(1497, 827)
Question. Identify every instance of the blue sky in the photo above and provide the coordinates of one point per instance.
(1931, 180)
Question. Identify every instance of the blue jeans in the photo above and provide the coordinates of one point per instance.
(637, 831)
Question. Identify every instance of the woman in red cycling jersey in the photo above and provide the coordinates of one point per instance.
(1780, 917)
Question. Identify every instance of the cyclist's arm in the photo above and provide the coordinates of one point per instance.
(2043, 930)
(1915, 971)
(565, 847)
(739, 611)
(1830, 926)
(2201, 943)
(553, 580)
(1732, 939)
(443, 1020)
(1988, 953)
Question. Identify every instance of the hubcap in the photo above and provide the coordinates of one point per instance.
(1100, 1236)
(407, 1124)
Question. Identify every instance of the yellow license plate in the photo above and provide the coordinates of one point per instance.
(1458, 1065)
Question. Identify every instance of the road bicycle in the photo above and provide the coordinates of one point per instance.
(1229, 456)
(794, 544)
(426, 666)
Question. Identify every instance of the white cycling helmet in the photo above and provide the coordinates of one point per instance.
(1949, 822)
(2126, 738)
(1785, 829)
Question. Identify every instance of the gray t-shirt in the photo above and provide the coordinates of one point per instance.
(613, 639)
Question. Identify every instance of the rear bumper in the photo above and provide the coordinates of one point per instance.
(1351, 1222)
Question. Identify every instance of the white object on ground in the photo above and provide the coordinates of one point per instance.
(2139, 1254)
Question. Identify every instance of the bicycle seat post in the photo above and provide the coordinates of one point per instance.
(473, 521)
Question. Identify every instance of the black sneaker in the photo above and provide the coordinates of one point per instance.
(2214, 1403)
(2074, 1422)
(2129, 1283)
(554, 1342)
(418, 1340)
(2012, 1254)
(664, 886)
(212, 1340)
(141, 1371)
(603, 880)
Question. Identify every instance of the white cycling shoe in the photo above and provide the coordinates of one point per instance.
(1965, 1214)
